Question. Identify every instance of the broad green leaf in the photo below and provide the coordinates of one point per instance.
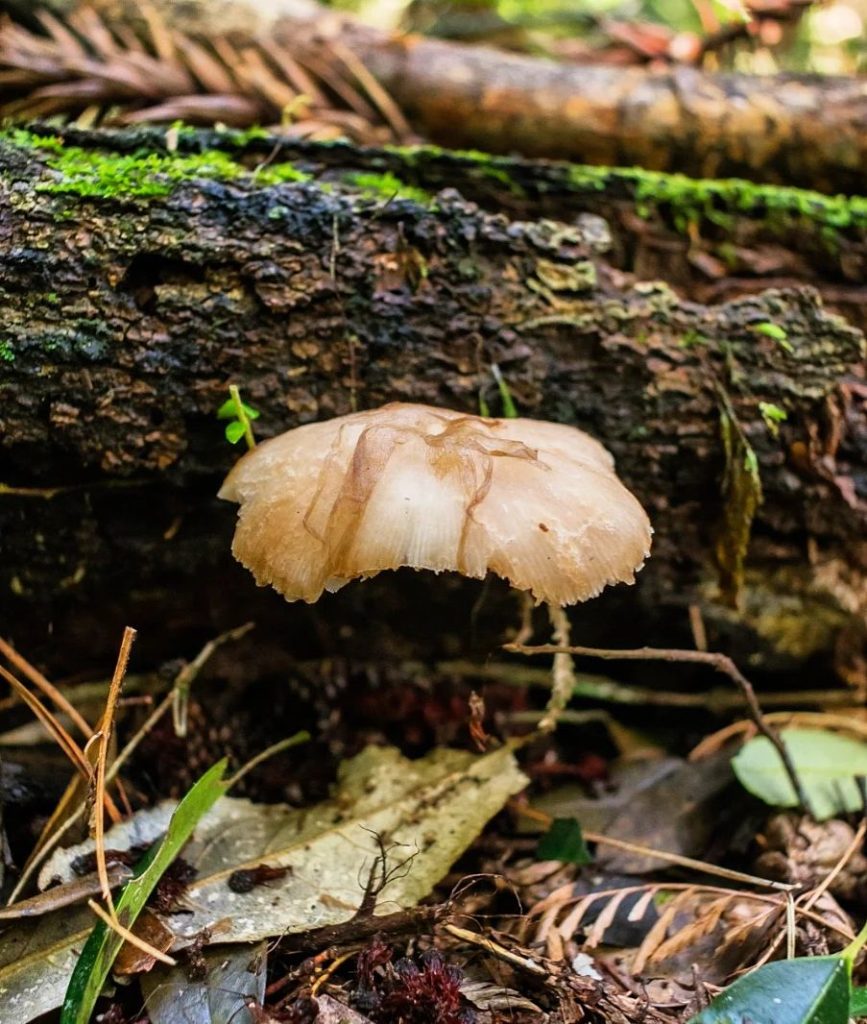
(234, 431)
(826, 763)
(807, 990)
(858, 1002)
(103, 945)
(564, 841)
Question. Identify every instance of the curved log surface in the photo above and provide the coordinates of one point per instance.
(805, 130)
(134, 288)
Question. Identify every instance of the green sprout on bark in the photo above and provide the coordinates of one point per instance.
(510, 410)
(776, 333)
(773, 416)
(239, 415)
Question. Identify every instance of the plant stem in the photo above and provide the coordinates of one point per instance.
(563, 679)
(243, 418)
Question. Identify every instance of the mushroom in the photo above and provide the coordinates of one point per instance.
(536, 503)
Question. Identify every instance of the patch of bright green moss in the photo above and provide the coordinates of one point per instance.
(142, 175)
(139, 175)
(7, 353)
(719, 200)
(387, 186)
(277, 174)
(686, 200)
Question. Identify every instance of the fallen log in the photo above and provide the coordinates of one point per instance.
(804, 130)
(136, 286)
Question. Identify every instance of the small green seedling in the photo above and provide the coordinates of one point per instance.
(239, 414)
(775, 332)
(773, 416)
(510, 411)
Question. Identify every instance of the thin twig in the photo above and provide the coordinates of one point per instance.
(603, 688)
(275, 748)
(523, 963)
(131, 937)
(648, 851)
(187, 676)
(102, 760)
(36, 860)
(66, 743)
(719, 662)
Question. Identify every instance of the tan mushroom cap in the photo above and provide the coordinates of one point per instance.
(412, 485)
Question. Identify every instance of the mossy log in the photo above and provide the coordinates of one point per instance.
(136, 286)
(805, 130)
(710, 239)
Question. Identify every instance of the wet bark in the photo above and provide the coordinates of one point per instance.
(126, 313)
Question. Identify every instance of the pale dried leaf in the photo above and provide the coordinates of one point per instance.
(429, 809)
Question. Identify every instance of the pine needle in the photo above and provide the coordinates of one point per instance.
(112, 922)
(102, 759)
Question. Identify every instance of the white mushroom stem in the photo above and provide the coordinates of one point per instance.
(563, 671)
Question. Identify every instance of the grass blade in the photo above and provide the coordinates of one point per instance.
(103, 945)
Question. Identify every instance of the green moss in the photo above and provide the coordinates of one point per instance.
(278, 174)
(387, 186)
(682, 200)
(685, 203)
(139, 175)
(7, 353)
(689, 201)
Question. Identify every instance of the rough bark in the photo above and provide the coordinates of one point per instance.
(134, 289)
(709, 239)
(800, 130)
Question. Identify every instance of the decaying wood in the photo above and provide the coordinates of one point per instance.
(800, 130)
(126, 313)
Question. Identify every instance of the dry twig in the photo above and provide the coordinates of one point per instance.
(719, 662)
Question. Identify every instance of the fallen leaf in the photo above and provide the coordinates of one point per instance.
(826, 763)
(429, 811)
(230, 978)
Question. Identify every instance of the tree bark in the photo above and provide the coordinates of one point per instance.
(792, 129)
(136, 287)
(709, 239)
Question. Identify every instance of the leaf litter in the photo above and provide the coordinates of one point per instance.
(335, 873)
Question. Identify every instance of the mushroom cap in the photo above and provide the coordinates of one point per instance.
(412, 485)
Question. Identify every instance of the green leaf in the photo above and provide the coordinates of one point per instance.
(235, 431)
(229, 410)
(771, 331)
(807, 990)
(825, 762)
(103, 944)
(564, 841)
(773, 416)
(858, 1002)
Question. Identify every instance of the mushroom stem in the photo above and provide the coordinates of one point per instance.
(563, 670)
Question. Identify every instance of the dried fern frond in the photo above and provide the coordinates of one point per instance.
(82, 68)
